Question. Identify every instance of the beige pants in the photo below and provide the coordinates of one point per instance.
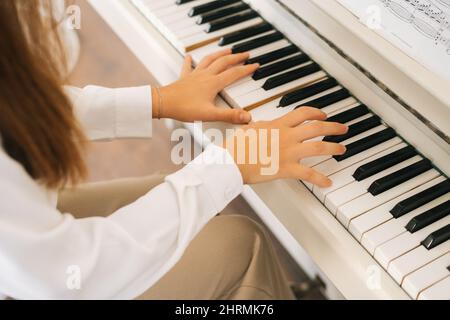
(231, 258)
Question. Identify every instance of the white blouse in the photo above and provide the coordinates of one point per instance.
(47, 254)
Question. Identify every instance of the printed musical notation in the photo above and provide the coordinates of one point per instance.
(421, 28)
(427, 16)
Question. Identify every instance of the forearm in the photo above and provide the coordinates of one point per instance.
(108, 113)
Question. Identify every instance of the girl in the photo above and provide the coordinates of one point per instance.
(155, 237)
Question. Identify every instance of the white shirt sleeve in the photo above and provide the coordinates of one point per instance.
(45, 254)
(113, 113)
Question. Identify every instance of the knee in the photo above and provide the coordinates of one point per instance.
(240, 234)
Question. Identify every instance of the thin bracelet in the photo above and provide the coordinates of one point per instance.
(160, 102)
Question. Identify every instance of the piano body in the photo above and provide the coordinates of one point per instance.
(382, 230)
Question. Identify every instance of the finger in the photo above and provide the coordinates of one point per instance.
(206, 62)
(187, 66)
(223, 63)
(318, 129)
(307, 174)
(300, 115)
(236, 73)
(235, 116)
(319, 148)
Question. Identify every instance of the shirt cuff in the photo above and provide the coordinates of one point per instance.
(218, 175)
(133, 112)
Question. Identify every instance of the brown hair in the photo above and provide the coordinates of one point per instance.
(37, 123)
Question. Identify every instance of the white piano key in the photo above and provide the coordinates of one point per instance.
(170, 20)
(438, 291)
(333, 113)
(366, 202)
(362, 118)
(319, 95)
(181, 20)
(201, 52)
(352, 191)
(256, 96)
(188, 31)
(181, 24)
(362, 155)
(338, 106)
(426, 276)
(341, 175)
(377, 216)
(154, 4)
(252, 85)
(332, 166)
(203, 38)
(401, 244)
(269, 48)
(269, 111)
(394, 227)
(177, 9)
(314, 161)
(248, 84)
(415, 259)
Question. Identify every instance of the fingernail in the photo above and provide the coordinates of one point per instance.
(344, 148)
(244, 117)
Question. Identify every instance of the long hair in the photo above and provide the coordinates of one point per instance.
(38, 127)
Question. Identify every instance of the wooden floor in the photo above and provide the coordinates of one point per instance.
(105, 61)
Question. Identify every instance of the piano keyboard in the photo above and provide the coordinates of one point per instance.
(386, 194)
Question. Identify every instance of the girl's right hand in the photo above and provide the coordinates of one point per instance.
(294, 131)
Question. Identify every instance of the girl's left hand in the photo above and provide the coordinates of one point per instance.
(192, 97)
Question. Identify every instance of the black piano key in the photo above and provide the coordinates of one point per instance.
(394, 179)
(245, 34)
(274, 55)
(280, 66)
(428, 217)
(210, 6)
(420, 199)
(355, 129)
(179, 2)
(328, 99)
(436, 238)
(383, 163)
(218, 14)
(350, 115)
(367, 143)
(257, 43)
(230, 21)
(307, 92)
(290, 76)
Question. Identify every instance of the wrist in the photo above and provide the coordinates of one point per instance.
(159, 102)
(156, 103)
(231, 146)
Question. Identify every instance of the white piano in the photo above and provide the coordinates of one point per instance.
(383, 230)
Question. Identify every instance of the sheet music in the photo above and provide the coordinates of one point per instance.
(421, 28)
